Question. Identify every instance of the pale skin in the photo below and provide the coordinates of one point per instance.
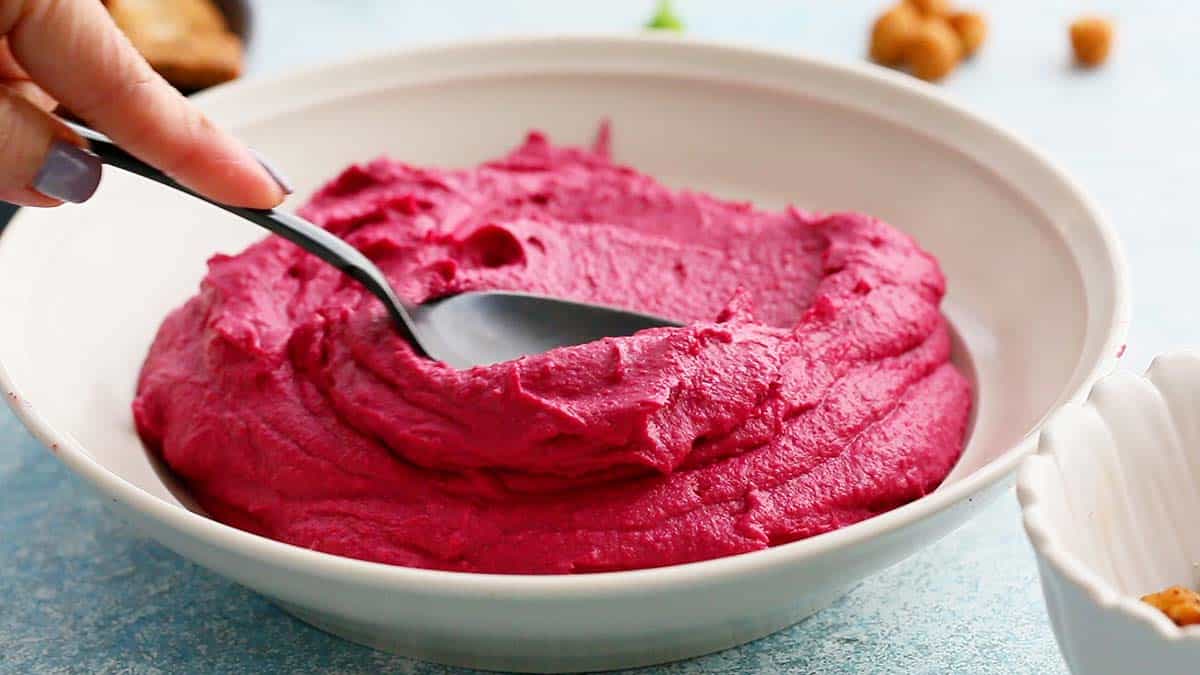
(69, 51)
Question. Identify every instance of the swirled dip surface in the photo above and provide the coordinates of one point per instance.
(811, 388)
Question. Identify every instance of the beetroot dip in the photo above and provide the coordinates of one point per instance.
(810, 389)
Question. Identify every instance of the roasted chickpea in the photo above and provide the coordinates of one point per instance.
(934, 51)
(971, 28)
(931, 7)
(1181, 605)
(1091, 38)
(891, 33)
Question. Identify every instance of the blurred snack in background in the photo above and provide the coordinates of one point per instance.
(931, 7)
(933, 51)
(189, 42)
(1091, 39)
(926, 36)
(892, 32)
(972, 31)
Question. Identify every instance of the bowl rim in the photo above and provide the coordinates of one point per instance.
(343, 569)
(1032, 482)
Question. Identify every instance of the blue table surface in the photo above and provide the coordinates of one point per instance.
(81, 592)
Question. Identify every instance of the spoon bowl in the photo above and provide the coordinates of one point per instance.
(486, 327)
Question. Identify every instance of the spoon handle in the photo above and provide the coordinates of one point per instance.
(315, 240)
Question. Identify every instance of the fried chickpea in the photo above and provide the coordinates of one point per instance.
(931, 7)
(1181, 605)
(934, 51)
(891, 33)
(1091, 38)
(971, 28)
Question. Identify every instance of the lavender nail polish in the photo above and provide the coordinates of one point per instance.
(69, 173)
(275, 174)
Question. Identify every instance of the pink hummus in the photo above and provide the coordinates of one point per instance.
(810, 389)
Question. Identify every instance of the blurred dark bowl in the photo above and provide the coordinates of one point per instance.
(240, 15)
(6, 211)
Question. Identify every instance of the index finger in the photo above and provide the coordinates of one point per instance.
(73, 50)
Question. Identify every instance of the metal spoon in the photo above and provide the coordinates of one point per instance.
(464, 330)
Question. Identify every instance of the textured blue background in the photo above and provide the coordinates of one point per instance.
(80, 592)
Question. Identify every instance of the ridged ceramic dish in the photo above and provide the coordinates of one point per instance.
(1111, 503)
(1037, 294)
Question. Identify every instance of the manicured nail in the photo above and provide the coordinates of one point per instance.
(275, 174)
(70, 173)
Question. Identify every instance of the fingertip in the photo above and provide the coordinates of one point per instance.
(217, 165)
(273, 196)
(256, 188)
(233, 178)
(273, 172)
(28, 197)
(253, 180)
(264, 186)
(273, 190)
(42, 202)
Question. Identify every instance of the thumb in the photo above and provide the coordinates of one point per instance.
(43, 163)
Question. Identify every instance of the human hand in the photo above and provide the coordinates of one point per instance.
(70, 51)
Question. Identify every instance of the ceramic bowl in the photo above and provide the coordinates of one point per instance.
(1110, 503)
(1037, 296)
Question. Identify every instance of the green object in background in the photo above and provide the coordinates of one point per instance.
(665, 18)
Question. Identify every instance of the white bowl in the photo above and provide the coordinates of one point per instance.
(1037, 293)
(1110, 503)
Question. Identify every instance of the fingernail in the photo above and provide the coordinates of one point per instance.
(70, 173)
(275, 174)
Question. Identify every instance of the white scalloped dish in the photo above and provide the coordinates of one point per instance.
(1037, 294)
(1110, 503)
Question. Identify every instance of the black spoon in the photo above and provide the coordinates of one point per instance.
(464, 330)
